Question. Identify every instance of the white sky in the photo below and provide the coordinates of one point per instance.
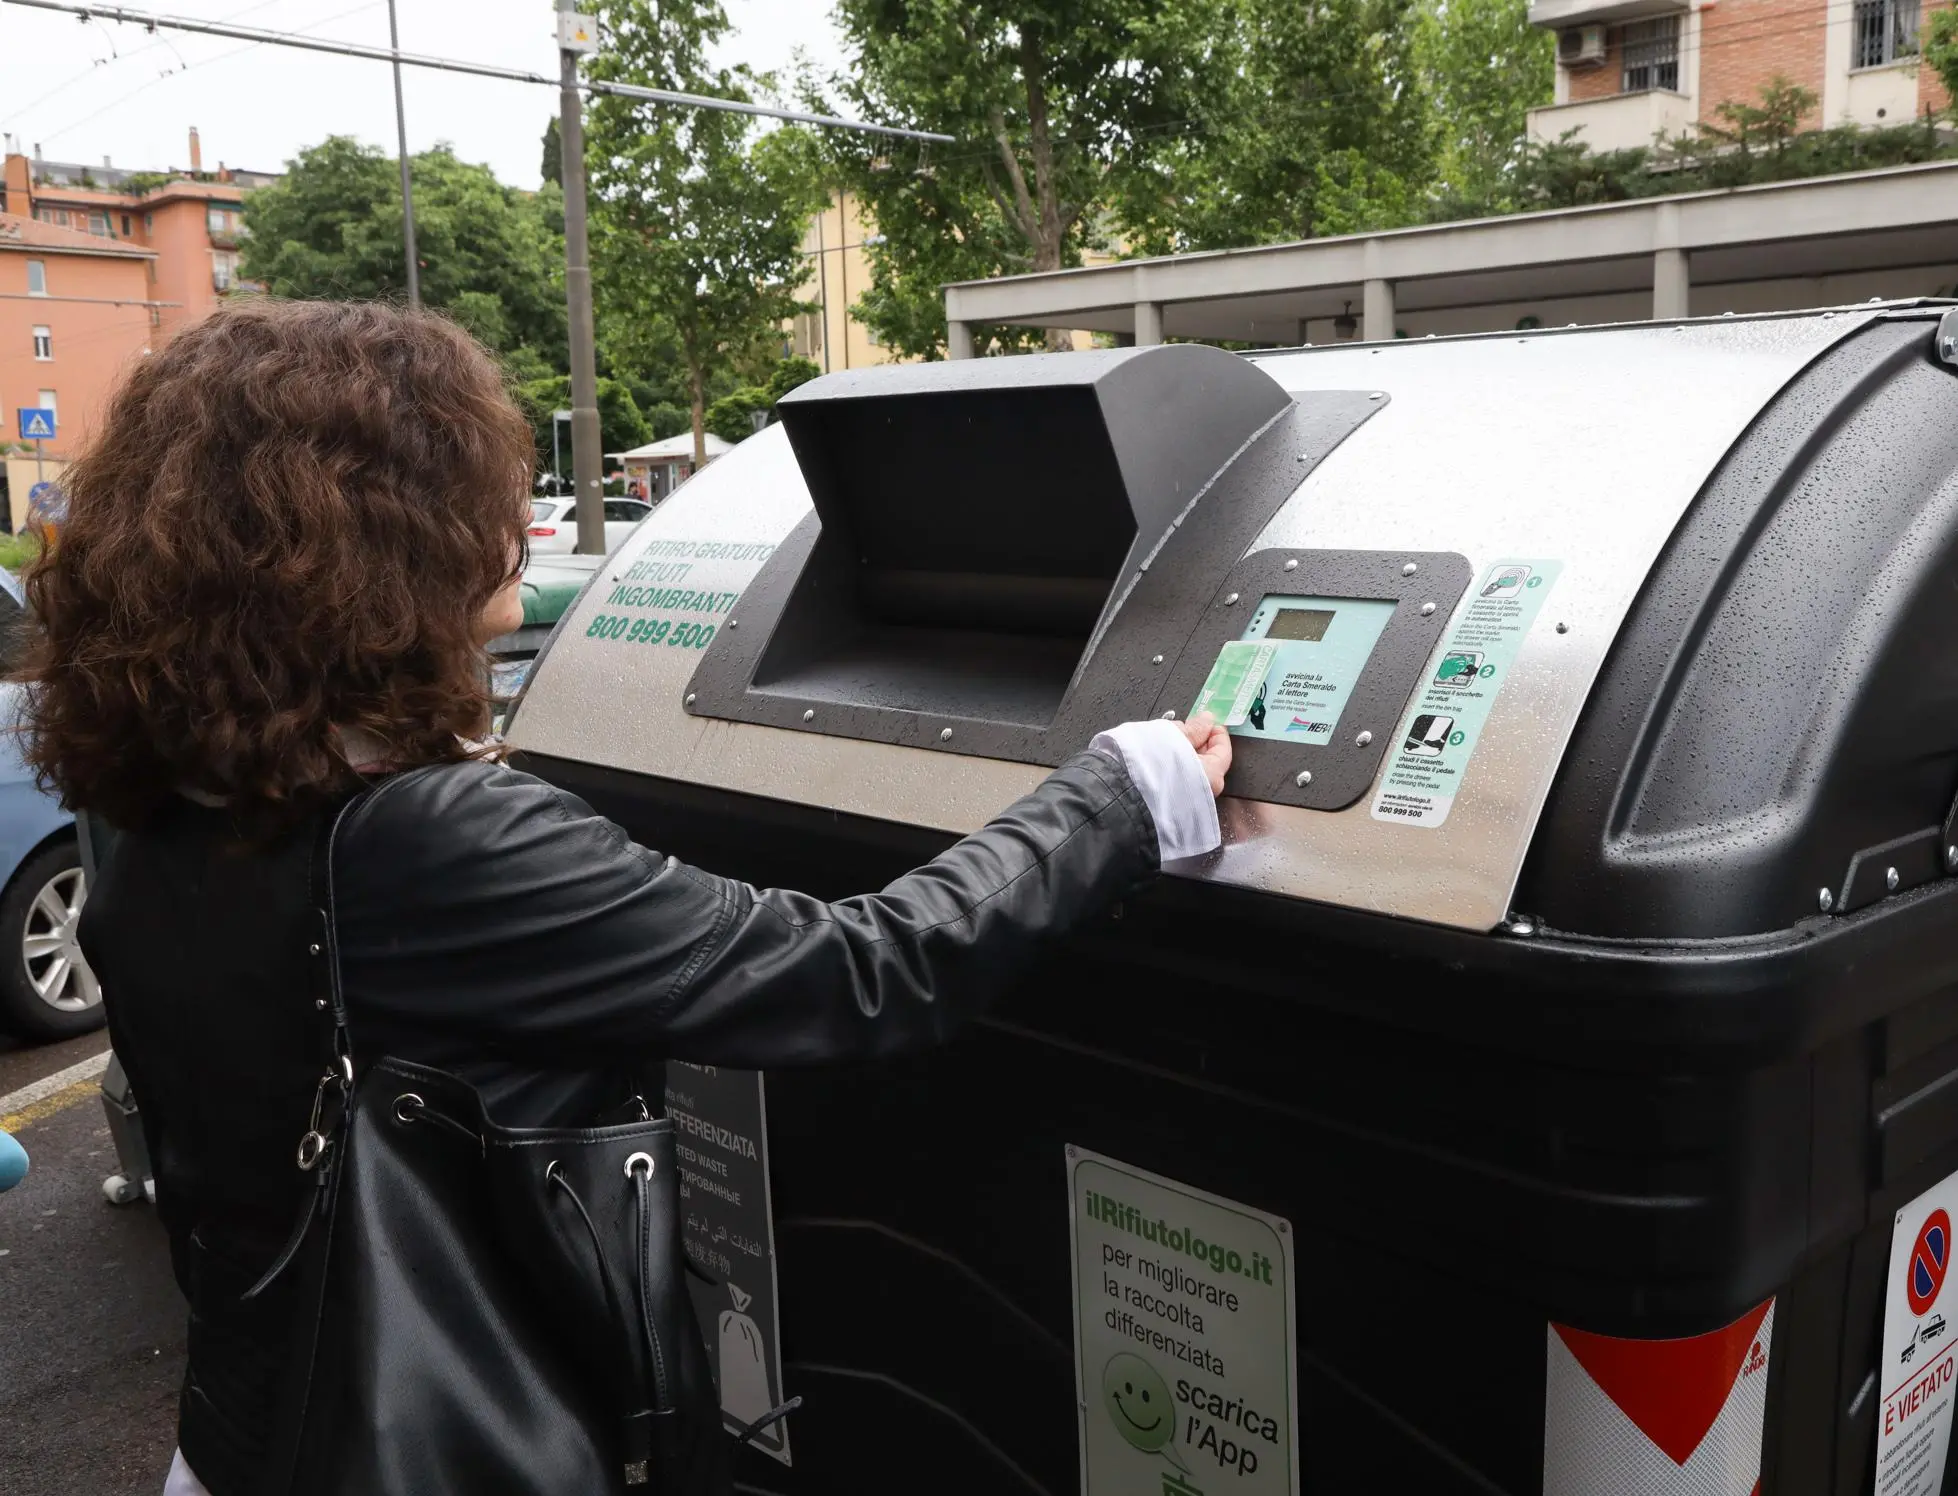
(88, 90)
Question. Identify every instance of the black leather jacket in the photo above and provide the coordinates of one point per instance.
(493, 926)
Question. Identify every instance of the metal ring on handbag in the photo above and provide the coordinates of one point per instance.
(312, 1148)
(632, 1163)
(405, 1101)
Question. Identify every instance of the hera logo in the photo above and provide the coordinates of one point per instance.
(1756, 1361)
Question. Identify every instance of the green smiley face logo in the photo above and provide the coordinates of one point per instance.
(1138, 1402)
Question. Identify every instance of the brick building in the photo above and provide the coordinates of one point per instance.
(76, 309)
(1630, 70)
(99, 264)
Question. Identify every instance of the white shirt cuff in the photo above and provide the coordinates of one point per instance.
(1165, 771)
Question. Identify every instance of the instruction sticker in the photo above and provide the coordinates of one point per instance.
(1185, 1364)
(720, 1120)
(1439, 737)
(1913, 1422)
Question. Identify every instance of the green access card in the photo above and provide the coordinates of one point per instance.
(1234, 680)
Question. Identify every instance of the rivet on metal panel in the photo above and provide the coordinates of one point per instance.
(945, 736)
(1951, 857)
(1304, 778)
(1230, 600)
(1427, 610)
(1157, 660)
(1303, 457)
(1169, 716)
(1363, 739)
(1891, 879)
(734, 623)
(1826, 900)
(692, 697)
(1378, 395)
(1519, 926)
(1292, 565)
(810, 715)
(1409, 569)
(1563, 628)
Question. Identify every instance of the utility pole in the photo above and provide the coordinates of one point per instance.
(407, 192)
(587, 461)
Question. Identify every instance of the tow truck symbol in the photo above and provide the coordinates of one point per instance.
(1926, 1333)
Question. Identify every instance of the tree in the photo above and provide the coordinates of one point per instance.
(731, 417)
(1313, 119)
(1486, 68)
(552, 166)
(621, 424)
(490, 256)
(1941, 49)
(1050, 100)
(697, 220)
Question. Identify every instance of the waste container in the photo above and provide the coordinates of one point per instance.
(1551, 1086)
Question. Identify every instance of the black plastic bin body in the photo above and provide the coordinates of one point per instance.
(1701, 1066)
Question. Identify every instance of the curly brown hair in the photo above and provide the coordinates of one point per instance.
(288, 525)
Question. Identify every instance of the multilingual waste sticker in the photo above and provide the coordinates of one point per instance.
(1438, 739)
(1185, 1362)
(727, 1229)
(1920, 1358)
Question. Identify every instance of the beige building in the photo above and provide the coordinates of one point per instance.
(838, 272)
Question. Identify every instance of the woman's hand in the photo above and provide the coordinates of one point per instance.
(1213, 746)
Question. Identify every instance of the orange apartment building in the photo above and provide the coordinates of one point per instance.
(1631, 70)
(98, 265)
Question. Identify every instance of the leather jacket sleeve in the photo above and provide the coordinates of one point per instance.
(480, 898)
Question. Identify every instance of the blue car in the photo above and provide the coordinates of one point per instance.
(46, 988)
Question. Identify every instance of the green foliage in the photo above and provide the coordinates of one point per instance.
(697, 219)
(552, 166)
(1305, 113)
(490, 256)
(1055, 104)
(1940, 45)
(621, 424)
(1486, 67)
(16, 551)
(731, 417)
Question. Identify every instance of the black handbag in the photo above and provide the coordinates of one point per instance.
(483, 1309)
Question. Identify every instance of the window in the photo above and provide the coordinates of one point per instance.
(43, 344)
(37, 277)
(224, 269)
(149, 223)
(125, 225)
(46, 402)
(629, 510)
(1885, 31)
(98, 224)
(1652, 55)
(216, 219)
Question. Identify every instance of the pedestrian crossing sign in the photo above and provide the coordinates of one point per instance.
(36, 424)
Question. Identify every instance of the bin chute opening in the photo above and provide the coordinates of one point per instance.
(977, 519)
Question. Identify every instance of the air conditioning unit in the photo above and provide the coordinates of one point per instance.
(1580, 46)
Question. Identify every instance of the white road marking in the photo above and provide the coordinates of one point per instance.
(61, 1080)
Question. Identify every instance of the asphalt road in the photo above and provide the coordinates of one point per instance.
(91, 1324)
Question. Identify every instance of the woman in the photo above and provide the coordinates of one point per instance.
(285, 551)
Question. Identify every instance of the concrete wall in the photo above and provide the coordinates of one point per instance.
(1704, 301)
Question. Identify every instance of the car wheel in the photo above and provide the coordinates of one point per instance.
(46, 988)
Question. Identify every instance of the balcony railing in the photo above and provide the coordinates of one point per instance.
(1884, 31)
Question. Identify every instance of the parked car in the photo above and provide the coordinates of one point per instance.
(46, 988)
(554, 524)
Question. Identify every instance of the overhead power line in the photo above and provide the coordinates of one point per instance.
(153, 23)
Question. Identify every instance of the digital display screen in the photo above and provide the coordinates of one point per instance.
(1306, 624)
